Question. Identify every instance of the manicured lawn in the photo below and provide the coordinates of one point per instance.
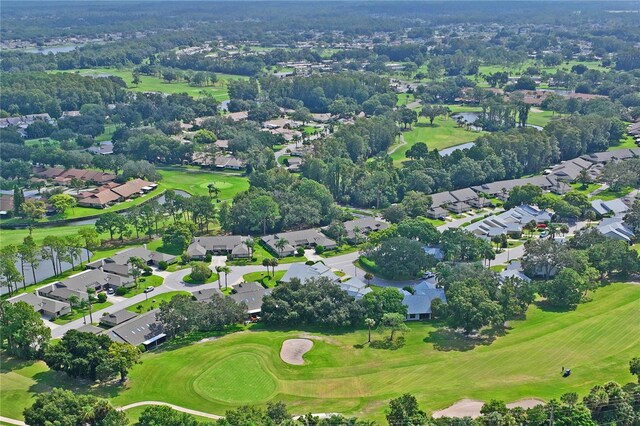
(343, 249)
(588, 190)
(519, 69)
(608, 194)
(267, 280)
(444, 133)
(15, 236)
(258, 255)
(189, 280)
(78, 313)
(627, 142)
(195, 181)
(144, 282)
(596, 341)
(156, 84)
(154, 301)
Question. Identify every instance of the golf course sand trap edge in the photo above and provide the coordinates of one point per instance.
(293, 350)
(472, 407)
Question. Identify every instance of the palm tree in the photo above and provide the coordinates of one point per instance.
(90, 299)
(213, 190)
(370, 323)
(553, 230)
(368, 276)
(137, 266)
(82, 305)
(219, 271)
(250, 243)
(564, 229)
(266, 262)
(356, 234)
(489, 254)
(280, 245)
(273, 262)
(226, 271)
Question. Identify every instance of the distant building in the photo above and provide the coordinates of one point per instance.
(228, 245)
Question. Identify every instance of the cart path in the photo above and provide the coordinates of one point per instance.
(196, 412)
(400, 145)
(12, 421)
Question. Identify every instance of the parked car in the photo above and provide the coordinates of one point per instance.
(149, 289)
(110, 291)
(428, 275)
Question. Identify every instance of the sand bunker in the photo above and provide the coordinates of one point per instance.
(293, 350)
(472, 407)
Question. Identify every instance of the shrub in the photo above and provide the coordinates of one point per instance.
(300, 251)
(200, 272)
(102, 297)
(409, 289)
(319, 249)
(163, 265)
(185, 258)
(147, 271)
(121, 291)
(309, 262)
(207, 258)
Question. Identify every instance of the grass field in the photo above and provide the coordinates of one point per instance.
(79, 313)
(195, 181)
(519, 69)
(626, 143)
(154, 301)
(608, 194)
(444, 133)
(155, 84)
(341, 375)
(144, 282)
(267, 280)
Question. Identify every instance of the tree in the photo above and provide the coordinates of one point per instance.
(178, 235)
(214, 192)
(33, 210)
(123, 356)
(317, 301)
(634, 367)
(632, 218)
(565, 290)
(525, 194)
(91, 240)
(136, 80)
(368, 277)
(400, 258)
(370, 323)
(433, 111)
(226, 271)
(63, 407)
(418, 151)
(166, 416)
(281, 244)
(26, 335)
(200, 272)
(9, 274)
(407, 116)
(387, 300)
(28, 252)
(469, 306)
(79, 354)
(393, 322)
(404, 411)
(251, 244)
(18, 199)
(584, 178)
(111, 222)
(136, 269)
(416, 203)
(91, 299)
(204, 136)
(62, 202)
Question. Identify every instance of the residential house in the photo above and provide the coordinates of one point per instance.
(307, 238)
(513, 273)
(78, 284)
(105, 148)
(436, 252)
(117, 318)
(251, 294)
(614, 227)
(419, 304)
(48, 308)
(144, 330)
(305, 272)
(119, 262)
(511, 222)
(90, 328)
(365, 226)
(355, 288)
(205, 295)
(609, 208)
(6, 206)
(229, 162)
(569, 170)
(230, 245)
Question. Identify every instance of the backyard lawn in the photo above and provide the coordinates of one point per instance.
(144, 282)
(341, 375)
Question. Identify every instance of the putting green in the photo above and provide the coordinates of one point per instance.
(242, 378)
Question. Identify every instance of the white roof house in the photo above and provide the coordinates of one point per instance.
(511, 221)
(614, 227)
(305, 272)
(355, 288)
(614, 207)
(419, 305)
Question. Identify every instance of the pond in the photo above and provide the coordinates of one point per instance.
(45, 50)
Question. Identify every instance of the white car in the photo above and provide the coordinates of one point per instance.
(110, 291)
(428, 275)
(149, 289)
